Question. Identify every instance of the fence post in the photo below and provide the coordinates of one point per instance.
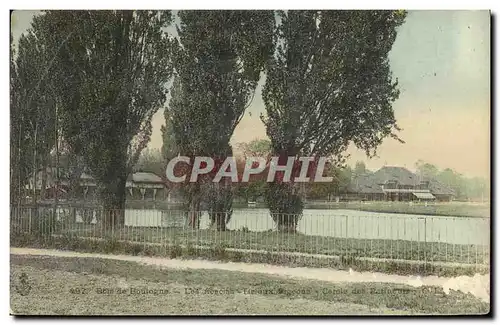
(346, 229)
(113, 219)
(29, 221)
(425, 243)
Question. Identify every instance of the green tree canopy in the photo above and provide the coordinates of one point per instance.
(152, 161)
(33, 105)
(464, 188)
(328, 85)
(218, 61)
(255, 148)
(426, 170)
(360, 168)
(169, 147)
(113, 69)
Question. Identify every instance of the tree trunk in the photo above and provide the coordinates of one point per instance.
(15, 174)
(15, 157)
(219, 220)
(76, 171)
(289, 226)
(220, 196)
(35, 167)
(220, 205)
(43, 182)
(285, 205)
(194, 214)
(14, 183)
(191, 206)
(113, 202)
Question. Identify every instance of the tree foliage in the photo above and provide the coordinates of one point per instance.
(152, 161)
(257, 185)
(255, 148)
(33, 105)
(169, 147)
(464, 188)
(328, 85)
(426, 170)
(18, 162)
(72, 165)
(218, 61)
(113, 68)
(359, 168)
(340, 183)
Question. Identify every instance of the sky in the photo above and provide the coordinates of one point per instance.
(442, 62)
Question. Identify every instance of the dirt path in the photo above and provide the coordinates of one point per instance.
(478, 285)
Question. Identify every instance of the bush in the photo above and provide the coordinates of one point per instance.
(148, 251)
(132, 248)
(269, 258)
(237, 256)
(349, 260)
(94, 245)
(110, 245)
(219, 252)
(21, 239)
(69, 241)
(175, 251)
(190, 250)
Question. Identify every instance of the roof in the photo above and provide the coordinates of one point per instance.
(372, 183)
(87, 180)
(146, 177)
(425, 196)
(400, 174)
(86, 176)
(141, 177)
(365, 184)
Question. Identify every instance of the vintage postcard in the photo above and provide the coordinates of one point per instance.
(256, 162)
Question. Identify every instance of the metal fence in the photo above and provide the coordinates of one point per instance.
(327, 233)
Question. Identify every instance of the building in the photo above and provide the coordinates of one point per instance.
(440, 191)
(398, 184)
(47, 180)
(145, 186)
(139, 186)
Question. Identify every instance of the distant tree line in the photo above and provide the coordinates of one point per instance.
(465, 188)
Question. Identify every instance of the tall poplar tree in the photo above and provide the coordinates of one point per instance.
(328, 85)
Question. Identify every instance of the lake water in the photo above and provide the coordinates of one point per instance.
(339, 223)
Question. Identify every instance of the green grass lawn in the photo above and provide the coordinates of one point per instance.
(90, 286)
(111, 245)
(273, 242)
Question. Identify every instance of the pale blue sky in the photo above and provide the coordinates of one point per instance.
(442, 61)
